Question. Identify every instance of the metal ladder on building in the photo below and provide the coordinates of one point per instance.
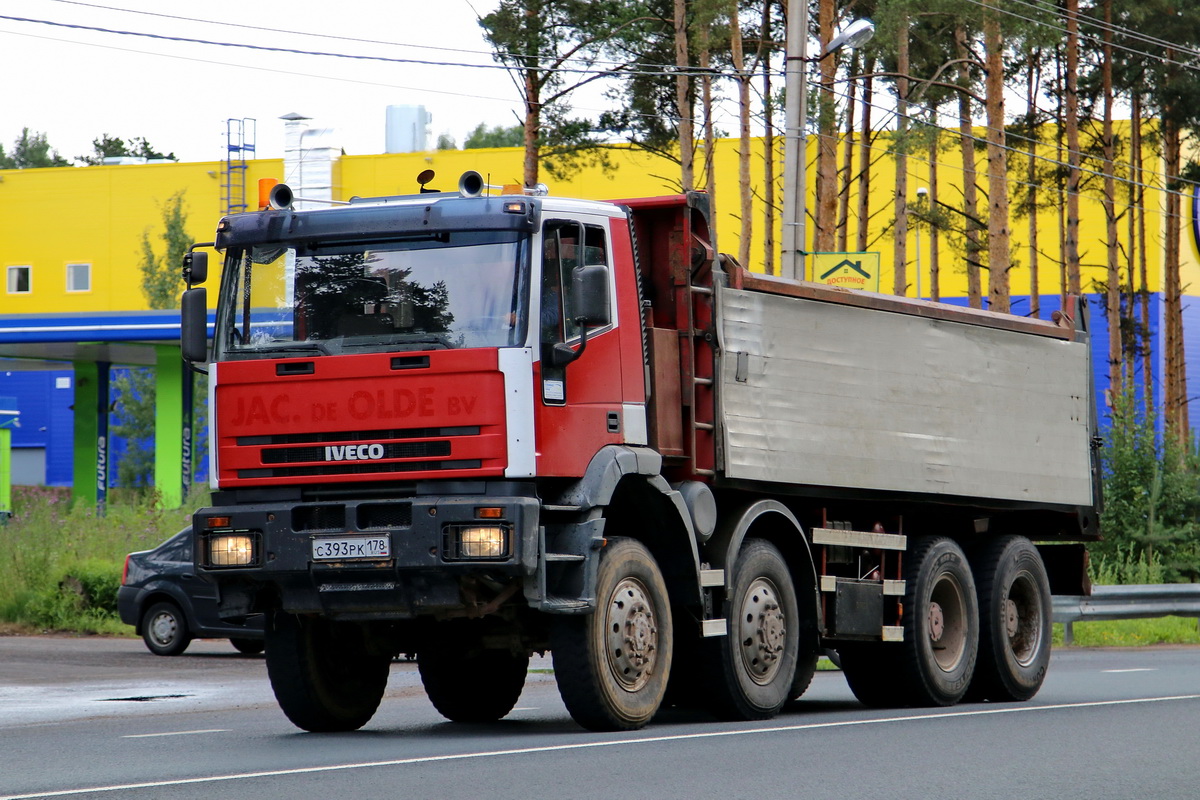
(239, 143)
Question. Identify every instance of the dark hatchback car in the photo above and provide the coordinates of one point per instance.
(166, 602)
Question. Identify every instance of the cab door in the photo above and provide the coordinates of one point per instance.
(579, 404)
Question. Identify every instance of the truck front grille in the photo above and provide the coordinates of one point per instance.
(378, 452)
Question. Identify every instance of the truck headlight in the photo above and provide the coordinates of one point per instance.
(477, 542)
(231, 549)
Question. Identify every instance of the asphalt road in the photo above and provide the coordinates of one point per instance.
(102, 718)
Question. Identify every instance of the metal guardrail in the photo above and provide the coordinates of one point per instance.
(1127, 602)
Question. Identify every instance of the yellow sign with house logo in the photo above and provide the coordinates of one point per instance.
(847, 270)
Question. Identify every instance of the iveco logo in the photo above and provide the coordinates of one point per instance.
(353, 452)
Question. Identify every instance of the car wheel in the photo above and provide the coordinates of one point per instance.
(248, 646)
(164, 629)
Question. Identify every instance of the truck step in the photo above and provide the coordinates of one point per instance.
(566, 509)
(563, 557)
(563, 604)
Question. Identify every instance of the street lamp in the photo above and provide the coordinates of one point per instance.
(854, 35)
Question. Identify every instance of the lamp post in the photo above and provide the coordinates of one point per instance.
(795, 113)
(921, 193)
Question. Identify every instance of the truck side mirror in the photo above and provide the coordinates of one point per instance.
(195, 267)
(589, 308)
(589, 288)
(193, 325)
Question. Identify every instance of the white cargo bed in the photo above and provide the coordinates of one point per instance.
(867, 392)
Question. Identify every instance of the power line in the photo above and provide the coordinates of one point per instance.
(622, 70)
(269, 30)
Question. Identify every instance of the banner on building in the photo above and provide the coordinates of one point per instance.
(847, 270)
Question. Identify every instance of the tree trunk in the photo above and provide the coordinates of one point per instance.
(970, 192)
(1113, 279)
(683, 101)
(746, 208)
(768, 150)
(900, 250)
(1135, 144)
(825, 218)
(532, 131)
(864, 158)
(843, 214)
(1031, 72)
(1073, 155)
(997, 158)
(935, 271)
(1175, 402)
(710, 139)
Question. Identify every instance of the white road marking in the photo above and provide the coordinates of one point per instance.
(630, 742)
(1132, 669)
(173, 733)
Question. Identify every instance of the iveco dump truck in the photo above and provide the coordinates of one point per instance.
(473, 426)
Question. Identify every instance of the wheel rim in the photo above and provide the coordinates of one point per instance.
(163, 628)
(947, 622)
(632, 634)
(764, 631)
(1022, 611)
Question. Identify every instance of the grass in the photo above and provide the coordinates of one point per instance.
(1132, 632)
(61, 562)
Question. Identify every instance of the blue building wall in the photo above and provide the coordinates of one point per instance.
(45, 399)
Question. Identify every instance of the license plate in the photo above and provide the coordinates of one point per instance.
(336, 548)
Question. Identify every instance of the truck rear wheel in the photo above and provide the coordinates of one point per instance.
(754, 665)
(1014, 615)
(467, 683)
(612, 666)
(941, 625)
(324, 675)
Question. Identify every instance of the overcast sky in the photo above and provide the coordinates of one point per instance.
(74, 84)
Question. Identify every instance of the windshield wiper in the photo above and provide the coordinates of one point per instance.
(284, 347)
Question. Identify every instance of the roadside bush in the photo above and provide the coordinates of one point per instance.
(1151, 517)
(60, 562)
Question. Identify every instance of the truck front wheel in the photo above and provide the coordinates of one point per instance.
(941, 625)
(756, 662)
(612, 666)
(467, 683)
(1014, 615)
(325, 676)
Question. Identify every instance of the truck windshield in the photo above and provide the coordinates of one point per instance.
(443, 290)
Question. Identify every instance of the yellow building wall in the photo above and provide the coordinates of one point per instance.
(98, 215)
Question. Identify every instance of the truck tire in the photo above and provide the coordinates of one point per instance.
(1014, 616)
(612, 666)
(941, 625)
(451, 670)
(806, 668)
(753, 667)
(248, 647)
(323, 673)
(869, 668)
(165, 630)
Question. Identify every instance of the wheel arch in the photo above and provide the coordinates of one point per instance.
(624, 486)
(164, 593)
(774, 522)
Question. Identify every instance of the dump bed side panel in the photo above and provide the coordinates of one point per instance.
(828, 394)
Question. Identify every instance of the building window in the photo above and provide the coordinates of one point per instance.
(79, 277)
(20, 280)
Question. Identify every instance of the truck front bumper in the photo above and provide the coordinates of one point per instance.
(384, 559)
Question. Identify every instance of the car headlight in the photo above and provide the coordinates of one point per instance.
(231, 549)
(477, 542)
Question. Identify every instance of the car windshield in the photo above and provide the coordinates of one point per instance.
(445, 290)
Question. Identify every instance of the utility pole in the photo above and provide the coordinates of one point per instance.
(795, 114)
